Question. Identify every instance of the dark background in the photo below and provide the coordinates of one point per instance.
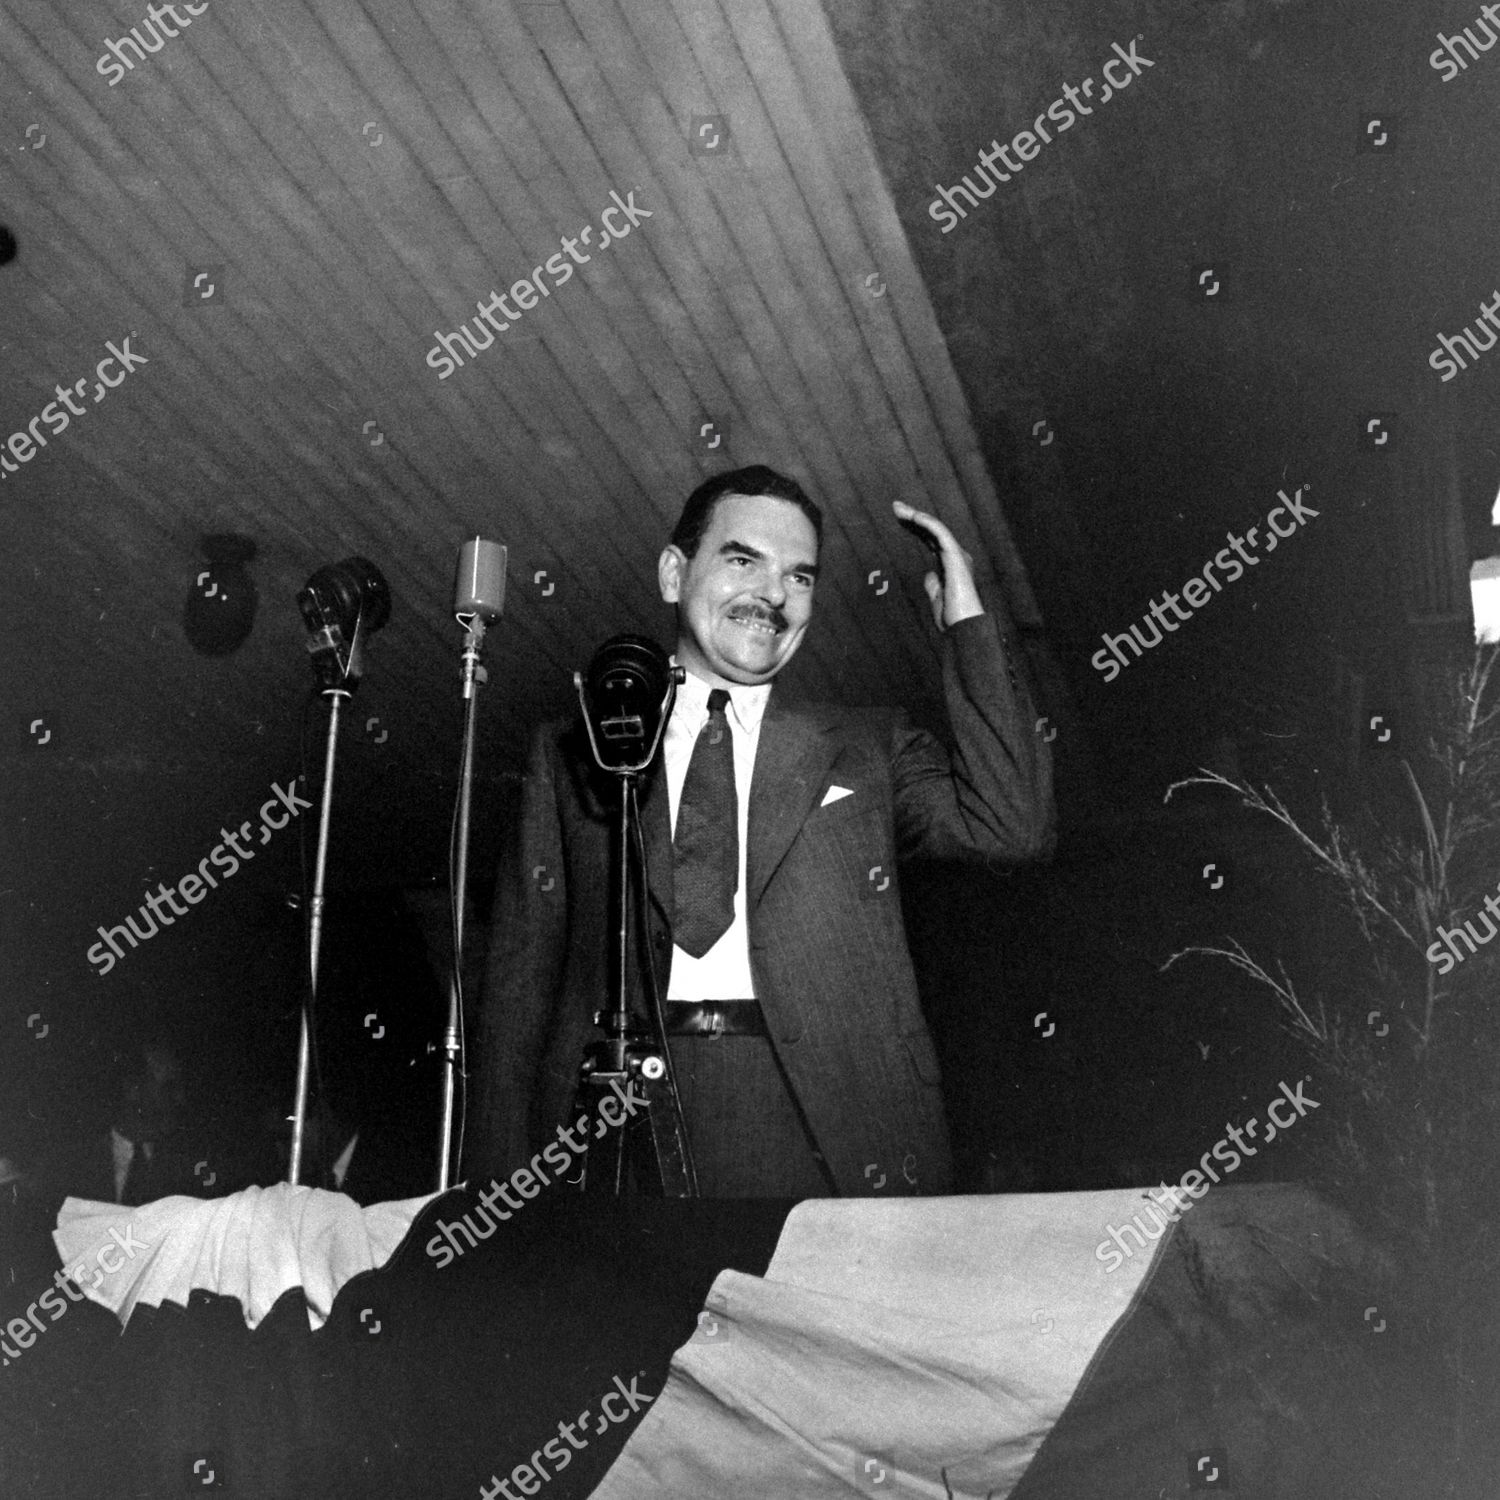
(1065, 298)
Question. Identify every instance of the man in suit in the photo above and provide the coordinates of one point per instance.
(773, 834)
(139, 1148)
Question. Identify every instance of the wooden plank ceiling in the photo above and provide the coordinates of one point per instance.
(352, 179)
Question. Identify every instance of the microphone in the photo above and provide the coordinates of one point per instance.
(626, 696)
(341, 604)
(478, 601)
(479, 591)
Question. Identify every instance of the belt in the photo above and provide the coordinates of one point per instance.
(714, 1018)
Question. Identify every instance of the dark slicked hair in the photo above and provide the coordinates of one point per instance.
(755, 480)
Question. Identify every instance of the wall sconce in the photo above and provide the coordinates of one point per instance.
(220, 608)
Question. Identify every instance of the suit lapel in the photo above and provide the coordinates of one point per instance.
(796, 749)
(792, 759)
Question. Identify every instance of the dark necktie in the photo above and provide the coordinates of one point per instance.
(141, 1177)
(706, 868)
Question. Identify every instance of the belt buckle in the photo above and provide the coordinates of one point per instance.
(715, 1025)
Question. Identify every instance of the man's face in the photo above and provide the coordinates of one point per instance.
(745, 598)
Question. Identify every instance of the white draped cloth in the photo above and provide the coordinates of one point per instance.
(915, 1346)
(253, 1245)
(921, 1347)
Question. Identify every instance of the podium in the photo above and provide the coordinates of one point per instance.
(1240, 1352)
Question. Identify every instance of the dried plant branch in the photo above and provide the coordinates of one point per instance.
(1358, 880)
(1285, 992)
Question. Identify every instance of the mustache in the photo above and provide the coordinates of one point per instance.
(773, 617)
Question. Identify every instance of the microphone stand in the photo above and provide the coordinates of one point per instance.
(474, 676)
(628, 1054)
(336, 697)
(339, 675)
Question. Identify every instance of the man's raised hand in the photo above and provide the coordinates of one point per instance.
(950, 587)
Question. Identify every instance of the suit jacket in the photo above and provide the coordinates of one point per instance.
(86, 1169)
(828, 949)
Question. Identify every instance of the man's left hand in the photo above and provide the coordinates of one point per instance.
(951, 592)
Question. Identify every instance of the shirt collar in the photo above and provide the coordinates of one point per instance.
(746, 703)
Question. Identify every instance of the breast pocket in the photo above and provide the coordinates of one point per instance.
(837, 813)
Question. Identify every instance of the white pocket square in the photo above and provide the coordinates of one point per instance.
(835, 793)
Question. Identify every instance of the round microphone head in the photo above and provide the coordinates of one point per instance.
(629, 669)
(480, 588)
(626, 695)
(348, 587)
(374, 590)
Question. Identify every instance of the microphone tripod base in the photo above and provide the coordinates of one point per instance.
(632, 1140)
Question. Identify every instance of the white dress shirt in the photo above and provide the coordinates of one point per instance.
(122, 1149)
(723, 973)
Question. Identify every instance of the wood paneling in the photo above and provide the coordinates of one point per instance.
(356, 177)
